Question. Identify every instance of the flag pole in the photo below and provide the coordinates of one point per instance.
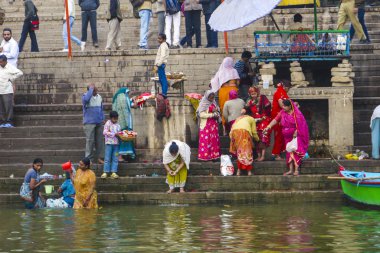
(69, 53)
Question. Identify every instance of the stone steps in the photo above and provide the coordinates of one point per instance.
(42, 131)
(204, 198)
(200, 184)
(311, 166)
(55, 98)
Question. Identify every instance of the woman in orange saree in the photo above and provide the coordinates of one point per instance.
(84, 184)
(225, 80)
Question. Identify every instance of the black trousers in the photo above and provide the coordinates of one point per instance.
(193, 22)
(26, 29)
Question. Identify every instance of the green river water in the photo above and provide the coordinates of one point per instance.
(308, 227)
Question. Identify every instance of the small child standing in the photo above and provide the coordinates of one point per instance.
(161, 61)
(111, 156)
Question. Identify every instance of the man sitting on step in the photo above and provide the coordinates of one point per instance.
(93, 118)
(8, 73)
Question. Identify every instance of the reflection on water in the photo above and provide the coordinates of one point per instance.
(264, 228)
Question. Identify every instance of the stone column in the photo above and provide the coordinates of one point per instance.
(342, 75)
(267, 71)
(341, 129)
(297, 77)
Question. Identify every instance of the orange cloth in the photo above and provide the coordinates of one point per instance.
(241, 145)
(224, 93)
(84, 184)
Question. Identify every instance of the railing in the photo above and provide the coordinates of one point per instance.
(302, 45)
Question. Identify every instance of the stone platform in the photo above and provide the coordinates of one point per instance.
(205, 185)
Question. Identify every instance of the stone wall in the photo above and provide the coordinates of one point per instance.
(52, 78)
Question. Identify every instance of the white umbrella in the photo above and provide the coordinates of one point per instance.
(235, 14)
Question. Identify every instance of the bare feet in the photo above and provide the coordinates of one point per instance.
(278, 158)
(296, 173)
(238, 173)
(181, 190)
(170, 191)
(100, 161)
(290, 172)
(260, 159)
(249, 173)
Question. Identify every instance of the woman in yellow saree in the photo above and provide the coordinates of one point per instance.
(84, 184)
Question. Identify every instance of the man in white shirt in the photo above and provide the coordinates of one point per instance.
(9, 47)
(8, 73)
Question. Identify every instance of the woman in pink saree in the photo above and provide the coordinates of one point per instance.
(294, 125)
(208, 114)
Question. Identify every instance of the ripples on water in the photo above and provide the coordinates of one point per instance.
(263, 228)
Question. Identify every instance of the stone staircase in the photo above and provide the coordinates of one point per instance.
(48, 113)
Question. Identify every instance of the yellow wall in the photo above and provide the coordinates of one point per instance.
(297, 2)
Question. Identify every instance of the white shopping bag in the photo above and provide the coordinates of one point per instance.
(226, 166)
(292, 145)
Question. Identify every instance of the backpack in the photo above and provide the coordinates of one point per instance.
(137, 3)
(172, 6)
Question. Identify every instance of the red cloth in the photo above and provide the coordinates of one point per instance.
(279, 144)
(263, 109)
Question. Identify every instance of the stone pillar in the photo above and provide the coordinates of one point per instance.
(342, 75)
(341, 130)
(267, 71)
(297, 77)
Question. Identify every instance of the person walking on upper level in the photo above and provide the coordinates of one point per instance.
(360, 4)
(71, 11)
(209, 6)
(9, 47)
(89, 8)
(114, 18)
(347, 9)
(93, 118)
(30, 12)
(8, 73)
(193, 21)
(173, 16)
(161, 13)
(145, 13)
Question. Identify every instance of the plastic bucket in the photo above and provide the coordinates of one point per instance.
(49, 189)
(67, 166)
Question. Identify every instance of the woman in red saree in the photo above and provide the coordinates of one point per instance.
(294, 125)
(280, 95)
(260, 109)
(208, 115)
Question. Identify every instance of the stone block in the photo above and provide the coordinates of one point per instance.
(295, 64)
(295, 69)
(268, 78)
(300, 84)
(261, 83)
(341, 79)
(297, 76)
(336, 69)
(268, 71)
(345, 61)
(268, 66)
(341, 73)
(343, 84)
(343, 65)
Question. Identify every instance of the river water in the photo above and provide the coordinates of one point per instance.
(260, 228)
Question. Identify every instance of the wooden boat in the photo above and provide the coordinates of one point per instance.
(361, 187)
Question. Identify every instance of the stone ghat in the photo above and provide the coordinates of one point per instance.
(205, 185)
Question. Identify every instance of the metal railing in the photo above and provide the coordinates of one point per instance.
(307, 45)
